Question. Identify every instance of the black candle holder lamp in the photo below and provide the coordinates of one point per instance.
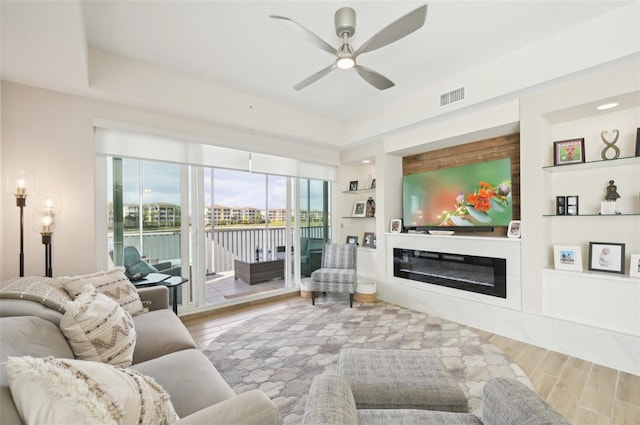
(48, 207)
(23, 180)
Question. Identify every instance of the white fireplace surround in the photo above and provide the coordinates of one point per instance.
(509, 249)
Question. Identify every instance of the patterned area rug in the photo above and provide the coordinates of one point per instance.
(281, 352)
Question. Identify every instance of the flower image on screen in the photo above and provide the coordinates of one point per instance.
(469, 195)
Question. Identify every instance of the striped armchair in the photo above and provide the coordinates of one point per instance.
(338, 273)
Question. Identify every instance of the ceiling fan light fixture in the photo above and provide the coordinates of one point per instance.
(345, 62)
(345, 57)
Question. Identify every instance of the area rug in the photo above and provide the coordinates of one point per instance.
(281, 352)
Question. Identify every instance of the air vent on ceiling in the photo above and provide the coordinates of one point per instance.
(453, 96)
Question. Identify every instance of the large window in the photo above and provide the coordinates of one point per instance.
(144, 211)
(197, 218)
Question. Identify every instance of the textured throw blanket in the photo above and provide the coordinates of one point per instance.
(44, 290)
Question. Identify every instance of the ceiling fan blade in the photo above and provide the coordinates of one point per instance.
(315, 77)
(305, 33)
(396, 30)
(377, 80)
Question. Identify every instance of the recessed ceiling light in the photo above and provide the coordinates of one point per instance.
(366, 161)
(606, 106)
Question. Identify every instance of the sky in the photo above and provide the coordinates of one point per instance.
(161, 184)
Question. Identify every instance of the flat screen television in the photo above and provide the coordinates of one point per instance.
(470, 197)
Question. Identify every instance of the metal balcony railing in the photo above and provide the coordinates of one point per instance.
(222, 247)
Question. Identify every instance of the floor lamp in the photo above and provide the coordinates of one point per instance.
(48, 207)
(22, 180)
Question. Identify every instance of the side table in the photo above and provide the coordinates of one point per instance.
(171, 282)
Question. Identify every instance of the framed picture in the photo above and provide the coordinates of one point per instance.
(352, 240)
(634, 268)
(638, 142)
(572, 205)
(561, 205)
(353, 185)
(396, 225)
(606, 257)
(373, 184)
(375, 242)
(568, 152)
(567, 257)
(359, 209)
(513, 231)
(367, 240)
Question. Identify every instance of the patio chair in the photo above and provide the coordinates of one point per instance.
(134, 264)
(339, 271)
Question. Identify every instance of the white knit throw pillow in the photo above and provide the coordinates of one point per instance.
(113, 283)
(66, 392)
(97, 328)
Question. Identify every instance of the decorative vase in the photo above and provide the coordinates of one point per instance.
(371, 207)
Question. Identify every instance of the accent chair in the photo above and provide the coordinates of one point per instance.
(339, 271)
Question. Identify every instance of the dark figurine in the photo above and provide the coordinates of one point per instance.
(612, 193)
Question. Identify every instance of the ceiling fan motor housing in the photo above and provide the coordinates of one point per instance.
(345, 19)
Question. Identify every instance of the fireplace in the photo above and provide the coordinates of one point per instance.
(483, 275)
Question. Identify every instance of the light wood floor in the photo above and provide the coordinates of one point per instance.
(584, 392)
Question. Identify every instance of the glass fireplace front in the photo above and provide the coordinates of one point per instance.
(484, 275)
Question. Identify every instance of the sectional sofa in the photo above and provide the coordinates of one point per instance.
(31, 336)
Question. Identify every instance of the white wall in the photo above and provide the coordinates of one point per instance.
(52, 135)
(549, 317)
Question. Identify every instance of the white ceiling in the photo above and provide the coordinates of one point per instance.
(234, 44)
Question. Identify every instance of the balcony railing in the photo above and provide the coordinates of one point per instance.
(222, 247)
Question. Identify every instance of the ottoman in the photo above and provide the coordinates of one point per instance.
(400, 379)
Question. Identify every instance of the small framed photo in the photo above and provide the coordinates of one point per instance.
(561, 205)
(568, 151)
(367, 240)
(359, 209)
(634, 268)
(572, 205)
(396, 225)
(373, 184)
(353, 185)
(567, 257)
(606, 257)
(638, 142)
(352, 240)
(513, 231)
(375, 242)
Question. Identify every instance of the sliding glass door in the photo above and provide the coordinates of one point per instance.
(232, 233)
(144, 213)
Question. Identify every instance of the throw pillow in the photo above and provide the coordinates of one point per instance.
(113, 283)
(65, 391)
(97, 328)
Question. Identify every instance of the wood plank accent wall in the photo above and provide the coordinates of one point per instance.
(483, 150)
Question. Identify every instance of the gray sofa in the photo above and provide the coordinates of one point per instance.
(164, 350)
(505, 402)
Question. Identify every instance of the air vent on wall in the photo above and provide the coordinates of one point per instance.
(453, 96)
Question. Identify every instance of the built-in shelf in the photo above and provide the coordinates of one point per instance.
(354, 192)
(358, 217)
(593, 164)
(601, 276)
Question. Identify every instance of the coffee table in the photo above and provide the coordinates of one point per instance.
(258, 271)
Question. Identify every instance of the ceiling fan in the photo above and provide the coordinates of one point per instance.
(345, 21)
